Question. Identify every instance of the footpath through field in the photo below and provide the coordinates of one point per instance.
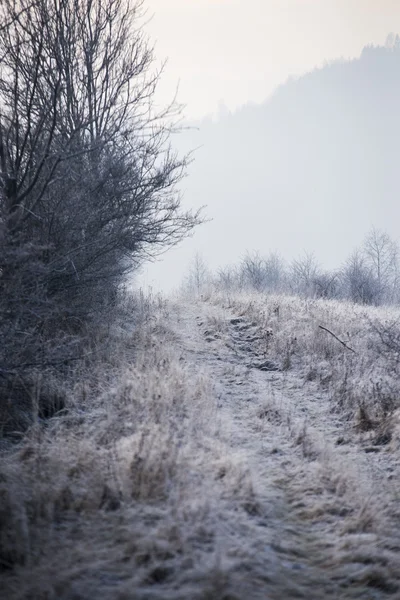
(323, 511)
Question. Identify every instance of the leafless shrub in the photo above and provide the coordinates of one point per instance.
(198, 277)
(370, 275)
(326, 285)
(304, 272)
(227, 279)
(253, 271)
(388, 333)
(87, 176)
(262, 274)
(381, 254)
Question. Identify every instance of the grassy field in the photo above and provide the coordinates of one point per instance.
(176, 470)
(359, 367)
(117, 497)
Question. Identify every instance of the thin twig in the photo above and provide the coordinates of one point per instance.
(336, 338)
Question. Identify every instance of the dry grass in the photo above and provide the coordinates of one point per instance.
(145, 488)
(130, 493)
(363, 384)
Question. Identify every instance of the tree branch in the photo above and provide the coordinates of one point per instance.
(336, 338)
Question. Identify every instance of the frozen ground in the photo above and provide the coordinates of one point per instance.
(325, 513)
(223, 450)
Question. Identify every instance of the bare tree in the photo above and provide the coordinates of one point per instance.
(358, 282)
(228, 278)
(253, 271)
(381, 255)
(303, 273)
(326, 284)
(87, 175)
(275, 272)
(198, 276)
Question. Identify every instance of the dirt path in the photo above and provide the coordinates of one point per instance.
(324, 519)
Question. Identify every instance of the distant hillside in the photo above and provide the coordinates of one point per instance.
(312, 168)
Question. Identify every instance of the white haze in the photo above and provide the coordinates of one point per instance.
(311, 166)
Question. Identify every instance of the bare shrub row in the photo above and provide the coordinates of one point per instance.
(87, 177)
(370, 276)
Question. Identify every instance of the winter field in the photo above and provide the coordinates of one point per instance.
(221, 444)
(224, 447)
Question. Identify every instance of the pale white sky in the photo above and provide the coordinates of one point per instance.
(238, 51)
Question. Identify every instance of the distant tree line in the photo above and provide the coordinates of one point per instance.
(371, 274)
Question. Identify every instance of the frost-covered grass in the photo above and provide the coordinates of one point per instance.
(168, 476)
(362, 379)
(130, 493)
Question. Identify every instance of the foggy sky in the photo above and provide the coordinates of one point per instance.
(232, 52)
(236, 51)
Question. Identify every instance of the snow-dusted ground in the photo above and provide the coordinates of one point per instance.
(324, 513)
(220, 450)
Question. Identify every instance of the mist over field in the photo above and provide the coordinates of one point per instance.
(313, 168)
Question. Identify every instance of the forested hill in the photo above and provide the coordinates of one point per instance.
(316, 163)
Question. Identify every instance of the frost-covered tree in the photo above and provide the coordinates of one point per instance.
(358, 282)
(198, 275)
(87, 174)
(381, 256)
(302, 275)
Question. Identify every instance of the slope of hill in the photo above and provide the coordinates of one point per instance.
(313, 168)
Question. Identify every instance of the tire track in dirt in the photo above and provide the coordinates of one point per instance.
(323, 510)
